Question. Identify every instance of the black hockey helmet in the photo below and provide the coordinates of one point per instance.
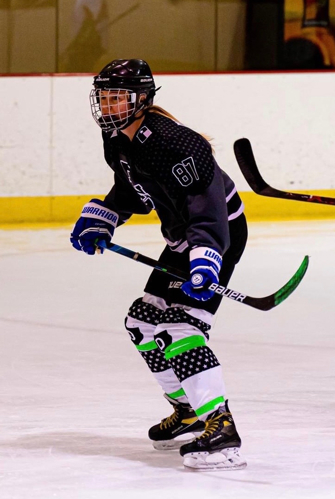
(130, 78)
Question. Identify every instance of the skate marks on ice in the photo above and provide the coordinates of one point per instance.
(53, 445)
(77, 401)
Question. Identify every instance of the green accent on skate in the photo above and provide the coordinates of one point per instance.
(292, 284)
(184, 345)
(151, 345)
(210, 406)
(175, 395)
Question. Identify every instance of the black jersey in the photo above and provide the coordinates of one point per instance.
(170, 168)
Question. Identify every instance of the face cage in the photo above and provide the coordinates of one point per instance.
(116, 112)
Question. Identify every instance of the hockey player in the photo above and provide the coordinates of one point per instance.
(161, 165)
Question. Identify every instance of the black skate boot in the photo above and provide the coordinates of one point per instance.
(182, 423)
(218, 447)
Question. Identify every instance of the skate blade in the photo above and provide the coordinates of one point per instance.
(175, 443)
(226, 459)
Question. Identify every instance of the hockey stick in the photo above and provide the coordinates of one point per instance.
(265, 303)
(248, 166)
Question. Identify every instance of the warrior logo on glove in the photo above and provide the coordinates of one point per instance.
(205, 268)
(96, 224)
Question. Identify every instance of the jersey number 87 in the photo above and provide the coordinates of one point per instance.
(185, 172)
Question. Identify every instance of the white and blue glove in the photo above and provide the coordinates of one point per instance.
(96, 224)
(205, 268)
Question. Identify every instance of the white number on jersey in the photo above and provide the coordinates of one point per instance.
(185, 172)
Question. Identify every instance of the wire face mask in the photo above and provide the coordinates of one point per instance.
(112, 108)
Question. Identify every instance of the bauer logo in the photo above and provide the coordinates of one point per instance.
(228, 293)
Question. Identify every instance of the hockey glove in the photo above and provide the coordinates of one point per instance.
(205, 269)
(96, 224)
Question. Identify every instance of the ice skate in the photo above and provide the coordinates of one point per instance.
(175, 430)
(218, 447)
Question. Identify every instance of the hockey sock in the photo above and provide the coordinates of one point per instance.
(182, 337)
(141, 323)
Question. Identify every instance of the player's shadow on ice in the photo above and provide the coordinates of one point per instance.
(86, 444)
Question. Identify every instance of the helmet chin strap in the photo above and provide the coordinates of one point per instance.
(132, 119)
(140, 111)
(136, 116)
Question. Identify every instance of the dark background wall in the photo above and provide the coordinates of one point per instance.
(83, 35)
(172, 35)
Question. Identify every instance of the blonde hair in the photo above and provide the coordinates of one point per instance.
(163, 112)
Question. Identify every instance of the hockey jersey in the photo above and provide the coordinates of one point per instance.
(170, 168)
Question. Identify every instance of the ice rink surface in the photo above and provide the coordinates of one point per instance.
(77, 399)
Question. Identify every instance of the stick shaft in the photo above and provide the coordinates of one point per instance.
(264, 303)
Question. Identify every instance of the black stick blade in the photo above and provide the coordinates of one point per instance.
(247, 163)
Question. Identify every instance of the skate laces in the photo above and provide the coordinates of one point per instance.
(170, 420)
(211, 425)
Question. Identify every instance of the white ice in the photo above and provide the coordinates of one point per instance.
(77, 399)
